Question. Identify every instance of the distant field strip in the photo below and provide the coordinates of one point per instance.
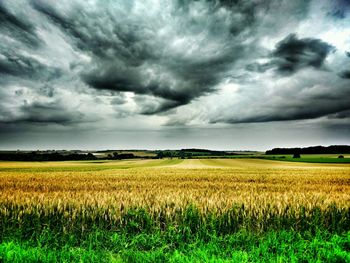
(263, 163)
(239, 164)
(71, 166)
(86, 166)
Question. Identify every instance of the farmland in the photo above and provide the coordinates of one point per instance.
(174, 210)
(310, 158)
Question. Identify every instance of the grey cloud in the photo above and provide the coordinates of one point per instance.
(292, 54)
(290, 113)
(259, 67)
(149, 106)
(300, 100)
(19, 45)
(106, 38)
(14, 64)
(118, 100)
(48, 113)
(42, 112)
(340, 9)
(345, 74)
(123, 51)
(18, 27)
(188, 62)
(47, 90)
(340, 115)
(176, 82)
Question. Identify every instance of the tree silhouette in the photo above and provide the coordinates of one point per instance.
(296, 155)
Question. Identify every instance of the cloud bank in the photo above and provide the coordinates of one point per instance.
(108, 65)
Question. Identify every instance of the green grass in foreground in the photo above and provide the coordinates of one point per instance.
(312, 235)
(282, 246)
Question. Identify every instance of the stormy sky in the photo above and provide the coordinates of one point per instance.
(155, 74)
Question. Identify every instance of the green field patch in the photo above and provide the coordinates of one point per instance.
(327, 158)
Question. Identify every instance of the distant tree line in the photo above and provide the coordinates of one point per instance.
(41, 157)
(120, 156)
(173, 154)
(203, 152)
(189, 153)
(334, 149)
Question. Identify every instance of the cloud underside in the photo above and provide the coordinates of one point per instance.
(293, 54)
(187, 62)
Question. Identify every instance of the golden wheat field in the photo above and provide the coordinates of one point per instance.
(212, 185)
(174, 210)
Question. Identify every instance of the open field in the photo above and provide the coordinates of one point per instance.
(175, 210)
(311, 158)
(305, 158)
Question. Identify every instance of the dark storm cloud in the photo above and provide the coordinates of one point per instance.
(48, 113)
(179, 62)
(292, 103)
(293, 112)
(81, 27)
(131, 80)
(149, 106)
(177, 82)
(345, 74)
(42, 112)
(340, 9)
(14, 64)
(259, 67)
(340, 115)
(292, 54)
(19, 41)
(287, 115)
(17, 27)
(124, 50)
